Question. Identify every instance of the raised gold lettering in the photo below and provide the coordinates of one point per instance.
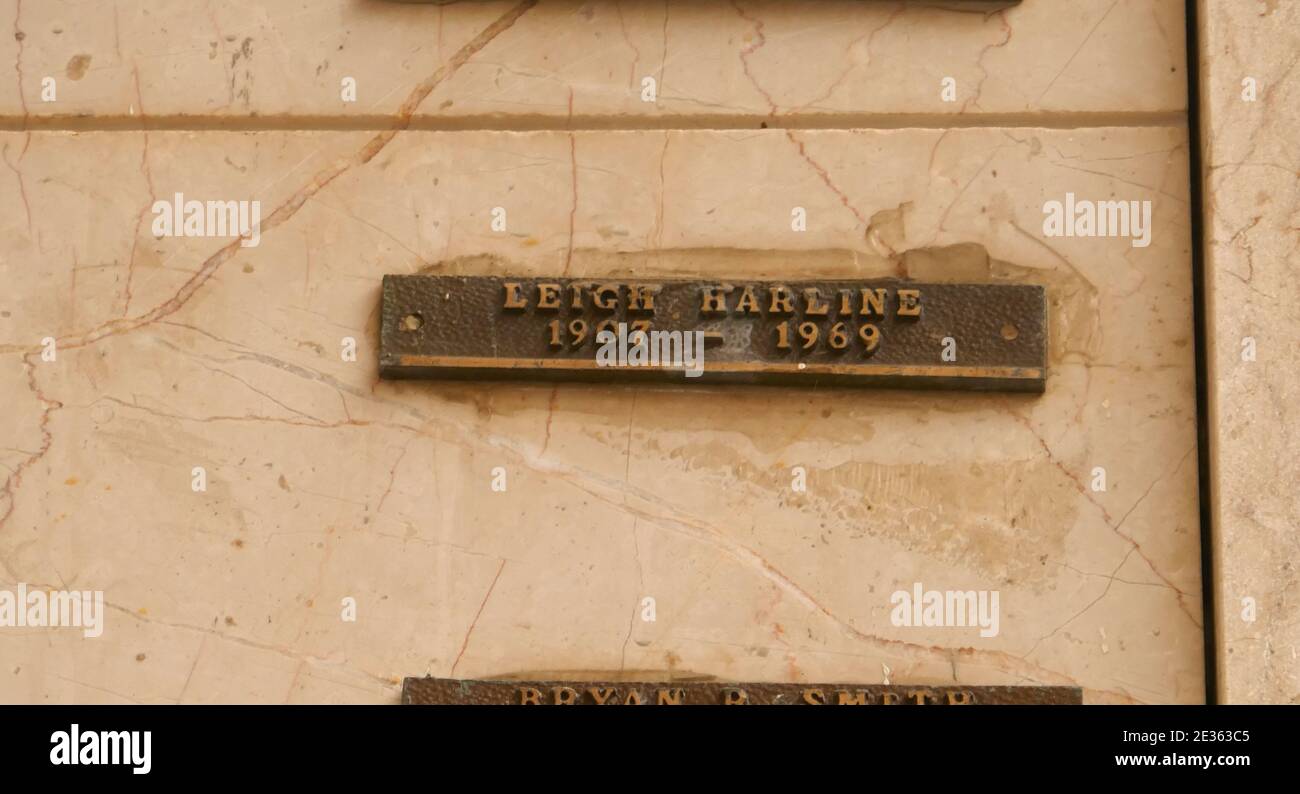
(714, 299)
(564, 696)
(909, 303)
(782, 301)
(813, 303)
(605, 297)
(530, 696)
(641, 298)
(731, 696)
(515, 295)
(671, 697)
(873, 303)
(548, 296)
(748, 303)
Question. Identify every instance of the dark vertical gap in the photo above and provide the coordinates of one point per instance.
(1199, 310)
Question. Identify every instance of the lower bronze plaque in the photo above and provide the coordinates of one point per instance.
(449, 691)
(882, 332)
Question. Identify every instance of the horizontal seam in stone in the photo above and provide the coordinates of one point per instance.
(590, 123)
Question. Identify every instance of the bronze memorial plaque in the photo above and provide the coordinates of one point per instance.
(883, 332)
(450, 691)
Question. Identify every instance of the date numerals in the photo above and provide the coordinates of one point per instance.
(579, 331)
(839, 337)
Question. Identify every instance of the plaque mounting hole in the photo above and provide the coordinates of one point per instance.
(1010, 332)
(411, 322)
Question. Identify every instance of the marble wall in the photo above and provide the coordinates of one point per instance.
(1250, 98)
(643, 139)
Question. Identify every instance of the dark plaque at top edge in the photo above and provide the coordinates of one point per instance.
(870, 332)
(449, 691)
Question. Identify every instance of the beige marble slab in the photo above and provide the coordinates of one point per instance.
(535, 63)
(324, 483)
(1251, 153)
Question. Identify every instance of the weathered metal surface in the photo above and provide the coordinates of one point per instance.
(450, 691)
(825, 332)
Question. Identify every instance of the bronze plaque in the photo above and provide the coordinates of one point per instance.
(450, 691)
(884, 332)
